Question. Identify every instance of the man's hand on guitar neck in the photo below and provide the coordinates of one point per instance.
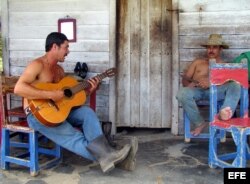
(94, 83)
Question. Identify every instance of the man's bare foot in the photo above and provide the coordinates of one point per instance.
(199, 129)
(225, 113)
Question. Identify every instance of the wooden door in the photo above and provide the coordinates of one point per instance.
(143, 96)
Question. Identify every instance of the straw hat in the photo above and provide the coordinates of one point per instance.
(215, 39)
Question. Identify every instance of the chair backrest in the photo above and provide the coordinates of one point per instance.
(7, 90)
(221, 73)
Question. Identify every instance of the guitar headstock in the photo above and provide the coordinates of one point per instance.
(110, 72)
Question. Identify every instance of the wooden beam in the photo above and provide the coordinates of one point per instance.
(112, 58)
(5, 36)
(175, 66)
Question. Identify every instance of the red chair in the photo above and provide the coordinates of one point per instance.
(239, 128)
(187, 124)
(14, 124)
(202, 105)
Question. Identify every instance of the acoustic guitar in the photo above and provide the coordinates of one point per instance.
(52, 113)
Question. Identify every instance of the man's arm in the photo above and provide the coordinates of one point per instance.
(25, 88)
(188, 75)
(185, 78)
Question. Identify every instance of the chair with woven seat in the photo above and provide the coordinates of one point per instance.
(14, 123)
(238, 128)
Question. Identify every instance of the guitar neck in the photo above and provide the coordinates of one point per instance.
(85, 84)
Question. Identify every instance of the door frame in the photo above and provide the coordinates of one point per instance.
(175, 65)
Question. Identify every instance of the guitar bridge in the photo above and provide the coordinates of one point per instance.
(52, 103)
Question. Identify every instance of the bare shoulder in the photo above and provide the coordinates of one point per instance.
(199, 61)
(36, 64)
(33, 69)
(195, 65)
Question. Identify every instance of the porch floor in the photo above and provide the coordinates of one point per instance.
(161, 158)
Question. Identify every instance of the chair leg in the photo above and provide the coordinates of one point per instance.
(5, 148)
(58, 153)
(240, 141)
(212, 148)
(34, 165)
(33, 152)
(186, 128)
(222, 136)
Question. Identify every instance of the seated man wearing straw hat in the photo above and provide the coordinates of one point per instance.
(196, 86)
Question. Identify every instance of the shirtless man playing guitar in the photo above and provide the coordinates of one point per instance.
(89, 143)
(196, 86)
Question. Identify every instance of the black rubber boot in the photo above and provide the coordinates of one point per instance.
(105, 154)
(106, 128)
(129, 163)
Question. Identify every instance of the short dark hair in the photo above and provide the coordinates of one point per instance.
(55, 37)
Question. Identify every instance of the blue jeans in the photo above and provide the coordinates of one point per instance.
(69, 137)
(229, 92)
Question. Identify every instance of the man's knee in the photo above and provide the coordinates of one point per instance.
(87, 109)
(183, 94)
(234, 86)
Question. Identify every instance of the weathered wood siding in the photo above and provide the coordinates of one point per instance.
(30, 21)
(148, 71)
(144, 63)
(198, 19)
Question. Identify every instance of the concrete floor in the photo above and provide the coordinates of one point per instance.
(161, 159)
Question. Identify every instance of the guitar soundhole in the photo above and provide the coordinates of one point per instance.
(67, 93)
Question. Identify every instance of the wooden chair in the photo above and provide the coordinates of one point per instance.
(239, 128)
(202, 104)
(14, 123)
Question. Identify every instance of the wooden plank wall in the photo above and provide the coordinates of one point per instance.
(198, 19)
(30, 21)
(144, 63)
